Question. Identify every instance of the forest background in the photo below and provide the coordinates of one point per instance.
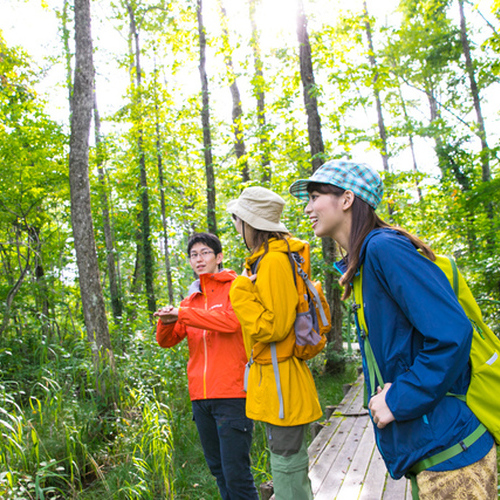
(186, 103)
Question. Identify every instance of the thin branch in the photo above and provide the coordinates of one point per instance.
(437, 101)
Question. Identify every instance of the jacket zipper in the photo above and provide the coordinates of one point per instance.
(206, 358)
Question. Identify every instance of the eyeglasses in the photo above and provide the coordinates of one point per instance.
(204, 254)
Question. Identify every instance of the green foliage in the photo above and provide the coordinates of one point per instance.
(63, 436)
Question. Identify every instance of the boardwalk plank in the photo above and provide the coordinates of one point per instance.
(373, 485)
(325, 462)
(338, 469)
(353, 482)
(321, 440)
(399, 489)
(345, 463)
(352, 403)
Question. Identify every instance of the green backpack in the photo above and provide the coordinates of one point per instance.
(482, 394)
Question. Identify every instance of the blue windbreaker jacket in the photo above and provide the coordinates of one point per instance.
(421, 340)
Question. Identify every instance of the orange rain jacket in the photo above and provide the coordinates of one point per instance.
(217, 356)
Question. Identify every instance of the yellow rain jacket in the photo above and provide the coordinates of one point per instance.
(266, 311)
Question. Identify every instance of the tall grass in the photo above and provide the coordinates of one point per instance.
(62, 438)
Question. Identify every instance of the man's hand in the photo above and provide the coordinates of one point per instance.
(167, 314)
(380, 411)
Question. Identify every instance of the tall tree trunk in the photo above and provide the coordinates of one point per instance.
(159, 162)
(83, 231)
(317, 159)
(410, 139)
(136, 285)
(258, 90)
(481, 131)
(168, 268)
(205, 121)
(147, 250)
(309, 90)
(373, 64)
(114, 289)
(237, 113)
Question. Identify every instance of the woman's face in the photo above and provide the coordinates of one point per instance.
(246, 233)
(327, 213)
(237, 224)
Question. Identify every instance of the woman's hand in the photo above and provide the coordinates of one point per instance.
(253, 277)
(381, 413)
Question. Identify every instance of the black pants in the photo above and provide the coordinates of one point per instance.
(226, 436)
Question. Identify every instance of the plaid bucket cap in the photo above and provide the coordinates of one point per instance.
(359, 178)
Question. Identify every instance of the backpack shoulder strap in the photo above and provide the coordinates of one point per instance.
(255, 265)
(362, 329)
(310, 286)
(294, 257)
(359, 314)
(455, 275)
(276, 370)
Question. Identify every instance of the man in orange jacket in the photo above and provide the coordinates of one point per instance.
(215, 368)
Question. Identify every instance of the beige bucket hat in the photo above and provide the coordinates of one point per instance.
(260, 208)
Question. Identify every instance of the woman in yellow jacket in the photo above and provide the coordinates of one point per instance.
(264, 299)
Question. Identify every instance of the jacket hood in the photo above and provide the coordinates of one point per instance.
(370, 235)
(275, 245)
(194, 288)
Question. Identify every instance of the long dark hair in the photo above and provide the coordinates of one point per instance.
(364, 220)
(260, 237)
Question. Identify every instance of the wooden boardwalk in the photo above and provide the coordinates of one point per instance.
(345, 463)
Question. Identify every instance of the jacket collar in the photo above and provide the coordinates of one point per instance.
(223, 276)
(341, 265)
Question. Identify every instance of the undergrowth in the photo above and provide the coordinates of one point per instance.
(63, 437)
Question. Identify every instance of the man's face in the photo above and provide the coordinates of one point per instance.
(203, 259)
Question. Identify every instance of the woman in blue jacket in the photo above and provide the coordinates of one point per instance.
(418, 332)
